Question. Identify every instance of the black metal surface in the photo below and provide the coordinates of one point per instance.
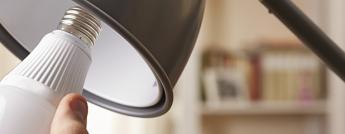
(166, 28)
(313, 37)
(12, 44)
(163, 31)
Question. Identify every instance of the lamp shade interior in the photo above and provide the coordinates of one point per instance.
(118, 73)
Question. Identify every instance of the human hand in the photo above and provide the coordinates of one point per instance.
(70, 116)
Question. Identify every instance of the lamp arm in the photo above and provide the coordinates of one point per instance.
(12, 44)
(308, 32)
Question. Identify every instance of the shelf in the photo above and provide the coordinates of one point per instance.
(267, 108)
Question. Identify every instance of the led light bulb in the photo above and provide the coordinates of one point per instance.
(30, 93)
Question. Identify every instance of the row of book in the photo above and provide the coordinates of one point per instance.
(290, 76)
(266, 73)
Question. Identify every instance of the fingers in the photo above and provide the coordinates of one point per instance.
(71, 116)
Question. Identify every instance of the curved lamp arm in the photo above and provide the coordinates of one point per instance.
(307, 31)
(16, 48)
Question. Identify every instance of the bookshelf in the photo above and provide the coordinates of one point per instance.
(267, 108)
(276, 78)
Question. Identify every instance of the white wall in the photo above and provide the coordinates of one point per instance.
(231, 23)
(336, 28)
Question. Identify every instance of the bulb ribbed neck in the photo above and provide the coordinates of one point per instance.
(81, 23)
(56, 67)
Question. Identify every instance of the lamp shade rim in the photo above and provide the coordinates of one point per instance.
(165, 86)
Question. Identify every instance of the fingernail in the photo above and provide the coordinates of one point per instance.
(79, 107)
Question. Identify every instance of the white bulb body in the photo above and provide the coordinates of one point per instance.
(30, 94)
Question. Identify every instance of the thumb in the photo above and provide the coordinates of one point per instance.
(70, 116)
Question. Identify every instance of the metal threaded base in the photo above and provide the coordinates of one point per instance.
(82, 24)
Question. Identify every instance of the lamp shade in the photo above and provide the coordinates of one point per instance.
(140, 54)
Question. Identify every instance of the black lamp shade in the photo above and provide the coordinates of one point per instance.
(162, 31)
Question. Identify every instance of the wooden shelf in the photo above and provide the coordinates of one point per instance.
(267, 108)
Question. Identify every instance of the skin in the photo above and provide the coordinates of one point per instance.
(71, 116)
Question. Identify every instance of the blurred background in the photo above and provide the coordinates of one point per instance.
(248, 74)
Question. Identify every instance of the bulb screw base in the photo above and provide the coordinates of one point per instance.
(82, 24)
